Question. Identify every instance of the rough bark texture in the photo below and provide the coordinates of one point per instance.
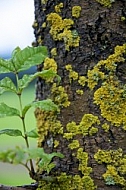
(101, 30)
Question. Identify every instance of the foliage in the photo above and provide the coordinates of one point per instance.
(23, 60)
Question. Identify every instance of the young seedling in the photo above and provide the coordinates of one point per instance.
(22, 60)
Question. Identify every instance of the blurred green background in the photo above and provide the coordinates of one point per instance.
(16, 174)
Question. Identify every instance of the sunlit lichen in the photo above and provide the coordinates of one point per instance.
(111, 98)
(74, 144)
(60, 29)
(83, 162)
(80, 92)
(116, 165)
(50, 63)
(93, 130)
(85, 127)
(76, 10)
(44, 25)
(47, 121)
(65, 182)
(82, 80)
(40, 40)
(94, 76)
(87, 123)
(106, 3)
(53, 52)
(73, 75)
(123, 18)
(113, 173)
(56, 143)
(106, 127)
(58, 8)
(35, 24)
(59, 95)
(44, 1)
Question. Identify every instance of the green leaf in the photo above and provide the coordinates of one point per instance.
(13, 156)
(45, 74)
(39, 153)
(11, 132)
(45, 164)
(25, 109)
(46, 105)
(8, 111)
(6, 84)
(24, 82)
(28, 57)
(6, 66)
(33, 133)
(35, 153)
(48, 74)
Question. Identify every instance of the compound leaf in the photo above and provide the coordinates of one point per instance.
(6, 84)
(6, 66)
(28, 57)
(46, 105)
(8, 111)
(11, 132)
(33, 133)
(45, 74)
(13, 156)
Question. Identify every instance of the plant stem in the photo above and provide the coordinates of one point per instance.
(23, 124)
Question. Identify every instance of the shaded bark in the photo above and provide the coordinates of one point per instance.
(100, 30)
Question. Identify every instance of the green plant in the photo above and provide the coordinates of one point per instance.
(22, 60)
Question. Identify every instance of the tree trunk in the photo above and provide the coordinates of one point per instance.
(88, 52)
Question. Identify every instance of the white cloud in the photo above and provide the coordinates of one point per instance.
(16, 18)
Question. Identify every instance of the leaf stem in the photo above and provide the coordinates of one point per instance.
(23, 124)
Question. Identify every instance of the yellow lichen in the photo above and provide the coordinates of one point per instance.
(74, 144)
(94, 76)
(56, 143)
(40, 40)
(50, 63)
(65, 182)
(106, 127)
(111, 98)
(44, 25)
(76, 10)
(59, 95)
(47, 121)
(116, 165)
(111, 173)
(80, 92)
(68, 136)
(53, 52)
(35, 24)
(44, 1)
(86, 124)
(83, 162)
(58, 8)
(68, 67)
(111, 102)
(123, 18)
(93, 130)
(60, 29)
(82, 80)
(106, 3)
(73, 75)
(85, 127)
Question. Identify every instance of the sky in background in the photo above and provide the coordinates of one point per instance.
(16, 19)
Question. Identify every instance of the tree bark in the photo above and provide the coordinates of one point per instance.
(100, 29)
